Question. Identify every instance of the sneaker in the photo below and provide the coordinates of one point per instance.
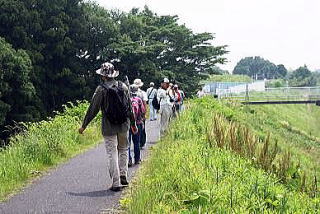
(137, 162)
(115, 189)
(123, 180)
(130, 163)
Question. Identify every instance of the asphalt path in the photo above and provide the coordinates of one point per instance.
(79, 186)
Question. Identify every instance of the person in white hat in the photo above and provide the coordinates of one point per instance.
(115, 122)
(143, 95)
(165, 106)
(151, 93)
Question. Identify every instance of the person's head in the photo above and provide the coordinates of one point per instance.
(175, 87)
(107, 71)
(165, 83)
(138, 83)
(151, 84)
(134, 89)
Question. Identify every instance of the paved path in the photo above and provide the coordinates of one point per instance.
(78, 186)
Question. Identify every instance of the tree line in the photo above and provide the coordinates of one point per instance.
(259, 68)
(50, 49)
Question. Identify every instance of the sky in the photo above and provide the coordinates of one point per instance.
(282, 31)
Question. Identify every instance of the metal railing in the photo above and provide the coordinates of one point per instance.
(276, 94)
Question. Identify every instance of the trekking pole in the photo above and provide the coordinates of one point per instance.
(133, 125)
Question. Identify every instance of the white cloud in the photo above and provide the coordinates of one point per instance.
(283, 31)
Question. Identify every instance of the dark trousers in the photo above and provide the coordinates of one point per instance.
(136, 143)
(143, 137)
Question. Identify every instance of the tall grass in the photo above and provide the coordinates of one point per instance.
(42, 145)
(212, 162)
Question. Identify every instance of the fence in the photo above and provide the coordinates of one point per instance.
(276, 94)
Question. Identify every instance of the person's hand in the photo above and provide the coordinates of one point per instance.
(81, 130)
(134, 129)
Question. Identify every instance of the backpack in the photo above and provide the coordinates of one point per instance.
(138, 109)
(155, 103)
(115, 104)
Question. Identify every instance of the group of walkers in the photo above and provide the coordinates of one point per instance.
(123, 108)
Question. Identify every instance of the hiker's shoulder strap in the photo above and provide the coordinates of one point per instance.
(103, 86)
(150, 93)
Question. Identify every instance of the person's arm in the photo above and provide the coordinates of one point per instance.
(93, 109)
(145, 98)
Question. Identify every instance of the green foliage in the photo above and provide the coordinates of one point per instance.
(16, 89)
(259, 68)
(302, 77)
(277, 83)
(189, 172)
(227, 78)
(215, 70)
(42, 145)
(68, 40)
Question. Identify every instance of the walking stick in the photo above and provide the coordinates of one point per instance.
(133, 124)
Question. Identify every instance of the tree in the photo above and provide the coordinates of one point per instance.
(281, 70)
(17, 93)
(52, 33)
(259, 68)
(302, 77)
(66, 41)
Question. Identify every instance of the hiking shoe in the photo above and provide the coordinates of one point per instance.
(130, 163)
(115, 189)
(137, 162)
(123, 180)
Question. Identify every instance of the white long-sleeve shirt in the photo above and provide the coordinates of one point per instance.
(163, 97)
(151, 92)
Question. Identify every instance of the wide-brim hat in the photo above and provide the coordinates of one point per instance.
(138, 82)
(107, 70)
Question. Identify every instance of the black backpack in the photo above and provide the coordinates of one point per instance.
(155, 103)
(115, 104)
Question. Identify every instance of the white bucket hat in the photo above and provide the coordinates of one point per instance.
(107, 70)
(138, 82)
(166, 80)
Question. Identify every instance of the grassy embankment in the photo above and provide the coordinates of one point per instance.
(223, 158)
(45, 144)
(227, 78)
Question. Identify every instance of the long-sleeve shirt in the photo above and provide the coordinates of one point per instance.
(151, 92)
(107, 128)
(163, 97)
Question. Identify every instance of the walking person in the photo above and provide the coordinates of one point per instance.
(172, 95)
(178, 98)
(143, 95)
(165, 106)
(151, 93)
(183, 96)
(113, 100)
(139, 111)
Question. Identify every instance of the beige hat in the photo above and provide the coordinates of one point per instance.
(107, 70)
(138, 82)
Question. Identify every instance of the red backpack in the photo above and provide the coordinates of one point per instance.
(138, 109)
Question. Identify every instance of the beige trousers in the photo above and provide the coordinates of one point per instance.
(117, 156)
(165, 114)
